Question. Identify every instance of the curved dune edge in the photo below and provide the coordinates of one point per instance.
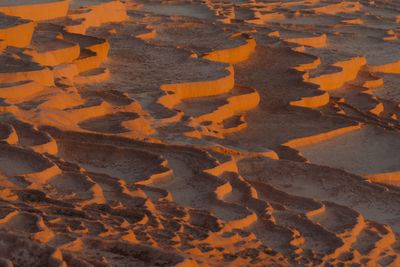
(309, 66)
(43, 76)
(217, 87)
(36, 11)
(340, 7)
(72, 117)
(19, 89)
(94, 15)
(67, 61)
(320, 137)
(317, 41)
(312, 101)
(350, 69)
(237, 103)
(393, 67)
(204, 88)
(374, 83)
(233, 55)
(9, 134)
(147, 35)
(327, 82)
(93, 76)
(386, 177)
(378, 109)
(18, 35)
(56, 57)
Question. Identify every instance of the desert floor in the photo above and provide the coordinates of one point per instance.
(199, 133)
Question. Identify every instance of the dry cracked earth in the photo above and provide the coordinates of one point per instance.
(199, 133)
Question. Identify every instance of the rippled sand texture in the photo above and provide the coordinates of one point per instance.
(199, 133)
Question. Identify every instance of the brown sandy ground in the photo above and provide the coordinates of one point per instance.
(199, 133)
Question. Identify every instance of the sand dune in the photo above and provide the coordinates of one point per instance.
(199, 133)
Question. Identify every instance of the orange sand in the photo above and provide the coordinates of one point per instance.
(199, 133)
